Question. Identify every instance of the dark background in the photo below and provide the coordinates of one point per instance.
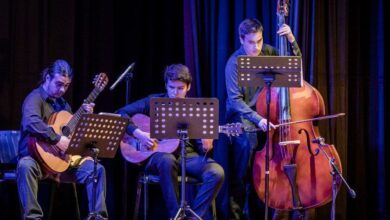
(343, 45)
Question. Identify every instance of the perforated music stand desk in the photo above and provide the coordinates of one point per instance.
(255, 71)
(97, 136)
(184, 118)
(100, 131)
(199, 115)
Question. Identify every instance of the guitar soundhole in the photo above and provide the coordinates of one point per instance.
(65, 131)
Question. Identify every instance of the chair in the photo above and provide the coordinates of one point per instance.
(8, 154)
(8, 159)
(145, 179)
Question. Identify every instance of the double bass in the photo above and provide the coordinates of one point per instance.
(299, 174)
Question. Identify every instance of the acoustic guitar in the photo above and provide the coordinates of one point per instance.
(133, 151)
(49, 156)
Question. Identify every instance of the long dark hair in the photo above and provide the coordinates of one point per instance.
(57, 67)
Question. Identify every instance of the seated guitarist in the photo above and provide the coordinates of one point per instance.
(166, 165)
(37, 108)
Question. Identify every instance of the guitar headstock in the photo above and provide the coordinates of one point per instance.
(100, 81)
(233, 129)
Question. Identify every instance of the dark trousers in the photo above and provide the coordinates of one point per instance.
(167, 167)
(29, 173)
(244, 202)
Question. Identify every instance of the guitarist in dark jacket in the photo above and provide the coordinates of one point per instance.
(37, 108)
(166, 165)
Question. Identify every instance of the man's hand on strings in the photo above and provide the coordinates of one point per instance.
(88, 107)
(263, 125)
(207, 144)
(144, 138)
(63, 143)
(285, 30)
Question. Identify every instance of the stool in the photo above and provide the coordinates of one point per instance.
(146, 179)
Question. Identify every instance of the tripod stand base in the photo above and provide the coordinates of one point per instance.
(95, 216)
(181, 213)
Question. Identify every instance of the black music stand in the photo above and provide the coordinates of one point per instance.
(97, 136)
(188, 118)
(269, 71)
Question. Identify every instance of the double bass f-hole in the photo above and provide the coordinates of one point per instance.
(308, 142)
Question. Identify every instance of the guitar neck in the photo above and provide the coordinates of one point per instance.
(76, 116)
(232, 129)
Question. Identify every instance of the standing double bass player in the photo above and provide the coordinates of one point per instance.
(241, 107)
(299, 176)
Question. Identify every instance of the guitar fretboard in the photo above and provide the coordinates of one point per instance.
(76, 117)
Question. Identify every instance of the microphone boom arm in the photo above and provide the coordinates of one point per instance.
(125, 73)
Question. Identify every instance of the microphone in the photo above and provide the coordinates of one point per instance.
(122, 75)
(352, 193)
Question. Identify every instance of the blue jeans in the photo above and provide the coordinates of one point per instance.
(167, 166)
(29, 173)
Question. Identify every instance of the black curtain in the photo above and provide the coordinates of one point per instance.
(93, 36)
(343, 55)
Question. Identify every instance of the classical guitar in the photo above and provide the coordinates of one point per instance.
(134, 152)
(50, 157)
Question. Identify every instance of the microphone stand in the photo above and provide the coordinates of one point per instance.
(127, 78)
(335, 174)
